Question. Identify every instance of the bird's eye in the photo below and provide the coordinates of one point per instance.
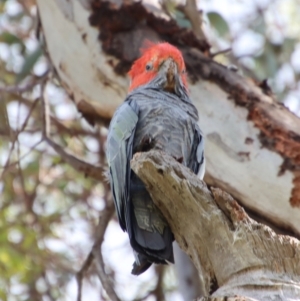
(149, 66)
(183, 71)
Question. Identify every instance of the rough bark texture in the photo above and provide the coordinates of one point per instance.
(235, 254)
(252, 143)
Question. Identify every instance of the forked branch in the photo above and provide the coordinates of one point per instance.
(234, 254)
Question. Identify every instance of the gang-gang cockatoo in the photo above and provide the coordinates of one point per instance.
(157, 114)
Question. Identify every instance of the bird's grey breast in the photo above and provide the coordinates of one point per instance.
(164, 125)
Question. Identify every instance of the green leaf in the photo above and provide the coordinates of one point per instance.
(267, 63)
(3, 294)
(32, 168)
(181, 20)
(272, 63)
(288, 46)
(56, 160)
(259, 25)
(4, 121)
(29, 63)
(218, 22)
(8, 38)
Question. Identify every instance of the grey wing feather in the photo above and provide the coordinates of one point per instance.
(119, 153)
(197, 160)
(200, 155)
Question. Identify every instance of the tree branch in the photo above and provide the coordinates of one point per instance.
(34, 81)
(191, 11)
(96, 172)
(105, 279)
(14, 139)
(235, 254)
(95, 256)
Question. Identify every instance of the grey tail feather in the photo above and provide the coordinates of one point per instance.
(155, 245)
(140, 265)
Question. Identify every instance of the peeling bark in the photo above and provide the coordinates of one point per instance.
(123, 29)
(235, 254)
(279, 129)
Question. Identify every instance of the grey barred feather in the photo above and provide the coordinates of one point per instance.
(150, 118)
(119, 152)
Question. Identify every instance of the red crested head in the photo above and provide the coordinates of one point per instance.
(156, 58)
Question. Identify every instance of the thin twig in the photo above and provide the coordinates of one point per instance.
(20, 172)
(48, 287)
(45, 113)
(158, 291)
(96, 256)
(30, 85)
(80, 274)
(96, 172)
(191, 11)
(87, 169)
(105, 279)
(226, 50)
(15, 139)
(70, 129)
(23, 156)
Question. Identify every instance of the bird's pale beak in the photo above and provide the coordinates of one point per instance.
(170, 69)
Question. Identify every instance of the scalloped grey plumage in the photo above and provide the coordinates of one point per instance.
(150, 118)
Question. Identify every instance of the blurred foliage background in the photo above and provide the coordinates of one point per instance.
(48, 210)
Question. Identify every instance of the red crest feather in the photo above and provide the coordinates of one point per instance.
(154, 54)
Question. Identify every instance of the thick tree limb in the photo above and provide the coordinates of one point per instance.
(236, 255)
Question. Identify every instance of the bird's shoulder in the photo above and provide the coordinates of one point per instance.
(151, 98)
